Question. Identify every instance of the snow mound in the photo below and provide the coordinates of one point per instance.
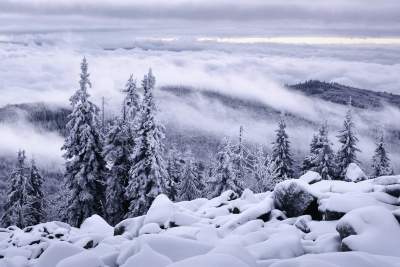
(354, 173)
(97, 225)
(56, 253)
(293, 197)
(371, 229)
(311, 177)
(303, 222)
(147, 257)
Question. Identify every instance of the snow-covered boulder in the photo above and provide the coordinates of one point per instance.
(338, 259)
(57, 252)
(311, 177)
(130, 227)
(295, 198)
(17, 261)
(161, 211)
(147, 257)
(175, 248)
(371, 229)
(354, 173)
(261, 211)
(97, 225)
(83, 259)
(389, 184)
(278, 246)
(337, 205)
(211, 260)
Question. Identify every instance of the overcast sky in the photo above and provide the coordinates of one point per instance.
(269, 17)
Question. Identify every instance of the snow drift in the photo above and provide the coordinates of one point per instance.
(298, 224)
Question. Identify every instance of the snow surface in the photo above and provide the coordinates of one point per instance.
(230, 230)
(354, 173)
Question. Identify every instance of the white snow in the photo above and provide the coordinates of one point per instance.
(57, 252)
(97, 225)
(245, 231)
(377, 231)
(311, 177)
(354, 173)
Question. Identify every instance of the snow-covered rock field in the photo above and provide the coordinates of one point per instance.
(325, 223)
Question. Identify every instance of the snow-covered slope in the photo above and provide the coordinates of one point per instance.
(299, 224)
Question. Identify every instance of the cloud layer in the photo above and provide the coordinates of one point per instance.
(356, 17)
(46, 68)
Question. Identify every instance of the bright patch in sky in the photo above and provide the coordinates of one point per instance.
(304, 40)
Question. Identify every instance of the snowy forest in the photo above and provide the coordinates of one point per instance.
(188, 133)
(117, 168)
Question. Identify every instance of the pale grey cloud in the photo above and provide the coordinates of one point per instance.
(367, 17)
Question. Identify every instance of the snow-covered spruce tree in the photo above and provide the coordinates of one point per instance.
(281, 157)
(242, 160)
(190, 186)
(132, 101)
(224, 177)
(308, 160)
(119, 144)
(262, 171)
(323, 160)
(148, 176)
(175, 169)
(348, 140)
(117, 150)
(85, 164)
(380, 161)
(15, 204)
(34, 211)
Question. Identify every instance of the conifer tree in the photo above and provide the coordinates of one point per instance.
(380, 160)
(262, 171)
(148, 176)
(14, 206)
(190, 186)
(34, 212)
(281, 157)
(119, 146)
(348, 140)
(132, 101)
(175, 169)
(117, 154)
(85, 165)
(242, 160)
(308, 161)
(323, 158)
(224, 177)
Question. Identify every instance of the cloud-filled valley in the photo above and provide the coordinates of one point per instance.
(45, 68)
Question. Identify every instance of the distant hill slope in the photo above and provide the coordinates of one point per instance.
(338, 93)
(52, 118)
(42, 115)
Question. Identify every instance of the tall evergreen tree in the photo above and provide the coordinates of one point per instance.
(262, 171)
(117, 154)
(224, 177)
(85, 165)
(348, 140)
(148, 176)
(34, 211)
(14, 207)
(323, 160)
(175, 169)
(190, 186)
(119, 146)
(308, 161)
(380, 160)
(242, 160)
(132, 100)
(281, 157)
